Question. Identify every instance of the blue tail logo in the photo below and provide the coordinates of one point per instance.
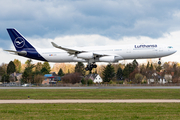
(18, 40)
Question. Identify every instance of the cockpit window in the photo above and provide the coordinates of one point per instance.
(170, 47)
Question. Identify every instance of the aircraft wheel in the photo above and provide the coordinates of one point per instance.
(86, 69)
(95, 66)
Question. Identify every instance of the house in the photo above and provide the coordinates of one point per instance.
(16, 77)
(95, 77)
(167, 78)
(51, 79)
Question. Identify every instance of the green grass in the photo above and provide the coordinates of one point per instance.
(107, 111)
(90, 94)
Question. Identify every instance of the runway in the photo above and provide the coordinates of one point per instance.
(31, 101)
(98, 87)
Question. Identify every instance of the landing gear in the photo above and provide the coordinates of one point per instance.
(90, 66)
(159, 62)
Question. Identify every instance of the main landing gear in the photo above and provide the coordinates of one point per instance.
(159, 62)
(90, 66)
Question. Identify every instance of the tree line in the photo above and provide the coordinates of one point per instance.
(111, 73)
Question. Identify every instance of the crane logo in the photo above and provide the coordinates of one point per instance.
(19, 42)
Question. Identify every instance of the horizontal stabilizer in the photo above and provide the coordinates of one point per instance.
(23, 53)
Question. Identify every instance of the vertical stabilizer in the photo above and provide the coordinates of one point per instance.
(20, 43)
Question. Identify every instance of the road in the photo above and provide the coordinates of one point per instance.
(108, 87)
(30, 101)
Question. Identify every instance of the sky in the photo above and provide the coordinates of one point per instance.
(90, 23)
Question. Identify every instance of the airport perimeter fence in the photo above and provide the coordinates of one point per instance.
(92, 85)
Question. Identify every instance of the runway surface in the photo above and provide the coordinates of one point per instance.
(99, 87)
(30, 101)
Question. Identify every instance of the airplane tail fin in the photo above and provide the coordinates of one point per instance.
(20, 43)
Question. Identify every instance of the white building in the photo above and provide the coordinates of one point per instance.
(95, 77)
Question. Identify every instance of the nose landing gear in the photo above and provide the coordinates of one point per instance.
(159, 62)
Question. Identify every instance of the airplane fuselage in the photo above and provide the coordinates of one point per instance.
(121, 52)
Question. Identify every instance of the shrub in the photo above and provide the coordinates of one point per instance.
(90, 82)
(72, 78)
(83, 81)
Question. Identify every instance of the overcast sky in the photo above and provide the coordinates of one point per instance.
(90, 22)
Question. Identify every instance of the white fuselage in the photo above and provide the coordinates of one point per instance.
(121, 52)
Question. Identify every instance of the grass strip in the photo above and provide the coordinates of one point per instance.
(90, 94)
(107, 111)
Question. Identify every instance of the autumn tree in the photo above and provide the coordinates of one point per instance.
(38, 78)
(138, 78)
(17, 63)
(38, 67)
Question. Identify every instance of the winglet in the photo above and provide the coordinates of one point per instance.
(54, 44)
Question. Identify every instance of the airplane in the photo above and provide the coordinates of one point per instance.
(89, 54)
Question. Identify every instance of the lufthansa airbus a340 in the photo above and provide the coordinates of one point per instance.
(89, 54)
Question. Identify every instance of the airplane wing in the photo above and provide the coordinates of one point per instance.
(75, 51)
(70, 51)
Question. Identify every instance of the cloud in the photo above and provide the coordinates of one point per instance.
(94, 22)
(113, 19)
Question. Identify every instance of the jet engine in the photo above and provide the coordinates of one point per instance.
(107, 59)
(85, 55)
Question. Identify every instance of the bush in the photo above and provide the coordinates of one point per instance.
(83, 81)
(119, 82)
(112, 82)
(89, 82)
(72, 78)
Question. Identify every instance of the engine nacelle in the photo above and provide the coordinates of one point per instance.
(107, 59)
(85, 55)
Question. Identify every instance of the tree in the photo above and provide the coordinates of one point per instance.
(28, 63)
(147, 67)
(60, 73)
(47, 66)
(138, 78)
(79, 68)
(135, 63)
(44, 71)
(119, 74)
(38, 79)
(108, 73)
(28, 73)
(11, 67)
(5, 78)
(151, 67)
(1, 71)
(127, 70)
(158, 68)
(38, 67)
(17, 63)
